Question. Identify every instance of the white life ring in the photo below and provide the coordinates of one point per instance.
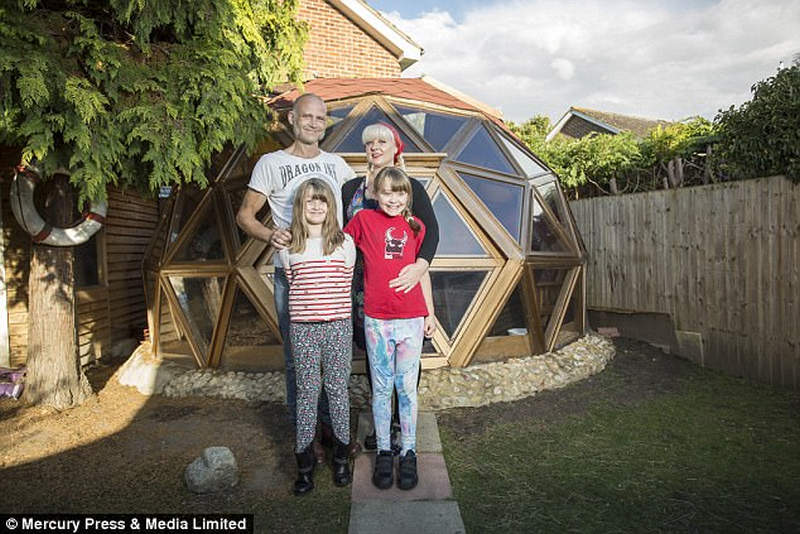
(26, 178)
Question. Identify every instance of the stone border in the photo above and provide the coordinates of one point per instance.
(439, 389)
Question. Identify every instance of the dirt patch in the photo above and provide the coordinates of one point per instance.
(637, 372)
(123, 452)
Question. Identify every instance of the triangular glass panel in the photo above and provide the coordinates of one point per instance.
(205, 242)
(200, 300)
(189, 198)
(528, 164)
(235, 197)
(169, 336)
(352, 142)
(511, 320)
(427, 347)
(218, 161)
(453, 293)
(459, 240)
(550, 194)
(335, 118)
(504, 200)
(423, 181)
(543, 237)
(247, 336)
(549, 284)
(436, 128)
(484, 152)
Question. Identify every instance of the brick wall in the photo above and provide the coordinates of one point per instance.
(337, 48)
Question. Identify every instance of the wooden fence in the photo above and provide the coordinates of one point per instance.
(723, 260)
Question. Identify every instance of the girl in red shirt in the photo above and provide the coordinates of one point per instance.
(395, 322)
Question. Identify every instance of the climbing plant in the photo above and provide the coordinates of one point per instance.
(140, 92)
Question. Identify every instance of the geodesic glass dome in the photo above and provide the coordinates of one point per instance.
(508, 277)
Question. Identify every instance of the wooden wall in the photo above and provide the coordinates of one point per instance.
(106, 313)
(723, 260)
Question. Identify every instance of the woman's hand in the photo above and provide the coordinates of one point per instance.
(430, 325)
(280, 238)
(409, 276)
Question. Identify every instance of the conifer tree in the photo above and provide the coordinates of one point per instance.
(135, 93)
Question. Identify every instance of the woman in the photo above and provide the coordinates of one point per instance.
(384, 148)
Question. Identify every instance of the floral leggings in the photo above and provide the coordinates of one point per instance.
(394, 347)
(326, 345)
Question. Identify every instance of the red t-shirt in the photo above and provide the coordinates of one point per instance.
(387, 244)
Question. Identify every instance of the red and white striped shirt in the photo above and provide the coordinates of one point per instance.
(320, 286)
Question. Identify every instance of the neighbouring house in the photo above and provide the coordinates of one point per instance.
(580, 122)
(508, 277)
(346, 38)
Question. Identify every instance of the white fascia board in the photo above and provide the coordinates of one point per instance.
(404, 49)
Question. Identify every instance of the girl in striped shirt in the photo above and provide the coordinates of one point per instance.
(319, 268)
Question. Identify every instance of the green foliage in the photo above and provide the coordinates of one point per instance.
(679, 139)
(141, 92)
(592, 159)
(762, 136)
(532, 131)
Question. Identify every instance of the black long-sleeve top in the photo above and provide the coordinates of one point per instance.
(420, 207)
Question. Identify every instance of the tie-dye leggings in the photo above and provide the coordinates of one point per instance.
(329, 346)
(394, 347)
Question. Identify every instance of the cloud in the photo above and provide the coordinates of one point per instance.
(656, 59)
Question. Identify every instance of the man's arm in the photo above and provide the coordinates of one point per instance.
(246, 217)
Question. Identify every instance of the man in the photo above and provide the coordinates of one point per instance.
(275, 179)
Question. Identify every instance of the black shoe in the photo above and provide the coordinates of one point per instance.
(305, 472)
(383, 477)
(371, 442)
(407, 471)
(341, 465)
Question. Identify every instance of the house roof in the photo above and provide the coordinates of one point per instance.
(423, 89)
(613, 122)
(404, 48)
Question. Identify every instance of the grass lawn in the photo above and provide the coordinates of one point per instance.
(672, 448)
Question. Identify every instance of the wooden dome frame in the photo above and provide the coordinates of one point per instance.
(544, 261)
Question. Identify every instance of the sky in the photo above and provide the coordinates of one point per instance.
(652, 58)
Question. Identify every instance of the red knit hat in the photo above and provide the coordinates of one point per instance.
(397, 141)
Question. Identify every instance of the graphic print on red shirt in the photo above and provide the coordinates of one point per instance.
(387, 244)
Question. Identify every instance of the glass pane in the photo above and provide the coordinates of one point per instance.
(423, 181)
(185, 205)
(247, 335)
(200, 300)
(235, 197)
(455, 237)
(543, 237)
(427, 347)
(205, 243)
(528, 164)
(86, 273)
(436, 128)
(218, 160)
(335, 118)
(511, 320)
(483, 151)
(503, 200)
(549, 192)
(168, 333)
(548, 287)
(352, 143)
(453, 292)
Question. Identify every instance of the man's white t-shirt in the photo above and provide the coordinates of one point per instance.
(277, 176)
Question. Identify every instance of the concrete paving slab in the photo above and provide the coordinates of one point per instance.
(420, 517)
(427, 431)
(434, 482)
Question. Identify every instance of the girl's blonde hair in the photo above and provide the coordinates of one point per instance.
(398, 181)
(384, 133)
(332, 235)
